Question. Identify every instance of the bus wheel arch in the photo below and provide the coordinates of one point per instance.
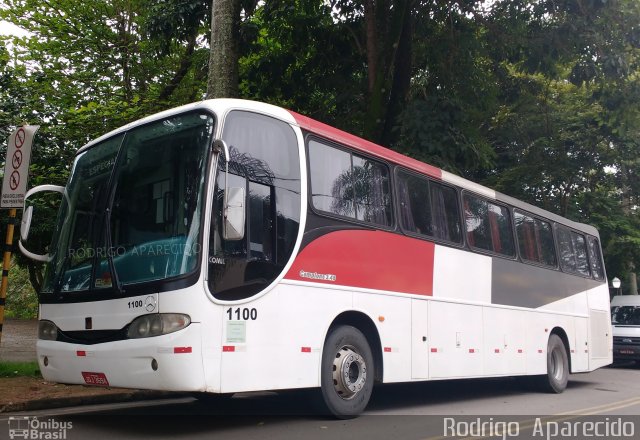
(363, 323)
(565, 340)
(348, 366)
(558, 363)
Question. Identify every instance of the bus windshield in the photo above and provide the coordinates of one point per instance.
(625, 315)
(132, 210)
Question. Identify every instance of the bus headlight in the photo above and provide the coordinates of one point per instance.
(47, 330)
(157, 324)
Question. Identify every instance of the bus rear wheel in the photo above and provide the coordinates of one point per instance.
(347, 372)
(557, 377)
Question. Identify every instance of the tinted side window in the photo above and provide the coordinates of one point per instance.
(428, 208)
(264, 161)
(371, 191)
(547, 249)
(582, 261)
(535, 240)
(329, 186)
(446, 213)
(488, 226)
(349, 185)
(573, 251)
(595, 257)
(415, 204)
(565, 247)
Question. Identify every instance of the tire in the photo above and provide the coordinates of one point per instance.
(347, 372)
(557, 377)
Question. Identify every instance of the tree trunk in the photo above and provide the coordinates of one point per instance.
(183, 69)
(223, 59)
(388, 38)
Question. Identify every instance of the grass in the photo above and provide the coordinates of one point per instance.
(17, 369)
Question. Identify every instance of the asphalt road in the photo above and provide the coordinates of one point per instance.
(406, 411)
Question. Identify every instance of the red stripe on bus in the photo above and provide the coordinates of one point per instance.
(177, 350)
(387, 349)
(228, 348)
(472, 350)
(367, 259)
(81, 353)
(365, 146)
(434, 350)
(306, 349)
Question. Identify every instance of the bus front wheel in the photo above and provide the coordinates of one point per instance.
(555, 381)
(347, 372)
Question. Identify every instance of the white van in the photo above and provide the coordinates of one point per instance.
(625, 318)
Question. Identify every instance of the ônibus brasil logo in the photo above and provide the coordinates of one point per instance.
(32, 428)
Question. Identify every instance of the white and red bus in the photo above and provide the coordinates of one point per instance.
(230, 246)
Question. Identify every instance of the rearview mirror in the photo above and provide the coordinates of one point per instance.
(27, 218)
(234, 214)
(25, 225)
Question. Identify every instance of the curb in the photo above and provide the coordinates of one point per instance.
(63, 402)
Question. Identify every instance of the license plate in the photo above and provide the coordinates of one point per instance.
(98, 379)
(627, 352)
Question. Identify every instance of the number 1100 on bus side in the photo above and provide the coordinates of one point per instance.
(243, 314)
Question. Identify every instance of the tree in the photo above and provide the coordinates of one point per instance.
(223, 63)
(293, 54)
(88, 68)
(224, 54)
(566, 134)
(382, 31)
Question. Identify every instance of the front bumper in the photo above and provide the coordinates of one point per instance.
(626, 352)
(170, 362)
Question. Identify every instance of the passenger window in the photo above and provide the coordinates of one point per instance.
(446, 213)
(535, 240)
(428, 208)
(573, 251)
(565, 246)
(415, 204)
(371, 188)
(582, 261)
(329, 187)
(349, 185)
(488, 226)
(595, 257)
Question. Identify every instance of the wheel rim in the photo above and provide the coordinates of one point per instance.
(557, 365)
(349, 372)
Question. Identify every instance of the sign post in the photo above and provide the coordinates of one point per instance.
(14, 187)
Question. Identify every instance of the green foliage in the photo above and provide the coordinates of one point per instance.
(537, 98)
(22, 301)
(294, 55)
(88, 68)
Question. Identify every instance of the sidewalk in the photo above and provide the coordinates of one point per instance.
(34, 393)
(19, 340)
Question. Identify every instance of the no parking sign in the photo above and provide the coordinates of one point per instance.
(16, 168)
